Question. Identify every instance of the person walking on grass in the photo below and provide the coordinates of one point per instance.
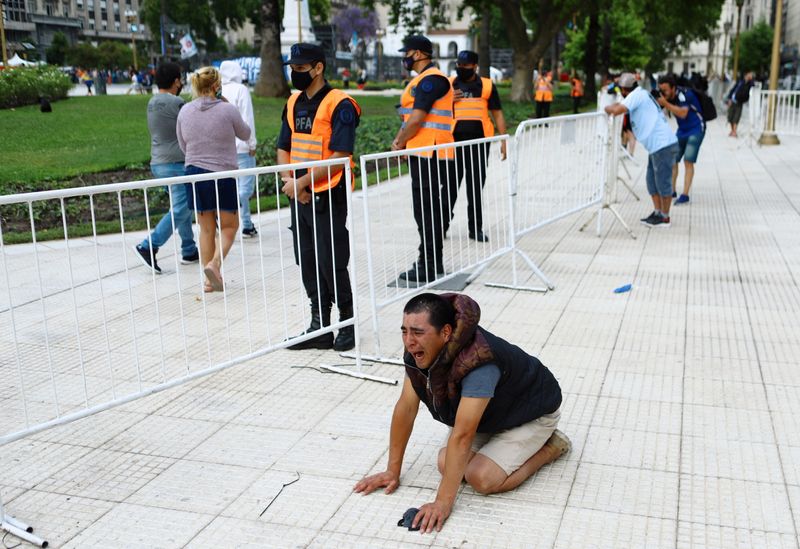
(207, 130)
(544, 95)
(166, 160)
(651, 129)
(238, 95)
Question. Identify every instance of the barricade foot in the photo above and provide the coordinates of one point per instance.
(22, 531)
(337, 369)
(629, 188)
(536, 270)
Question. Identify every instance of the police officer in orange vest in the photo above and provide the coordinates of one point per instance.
(544, 95)
(427, 110)
(319, 123)
(475, 98)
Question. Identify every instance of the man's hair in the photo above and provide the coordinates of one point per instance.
(669, 79)
(440, 311)
(166, 74)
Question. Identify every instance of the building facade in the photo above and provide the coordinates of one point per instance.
(32, 24)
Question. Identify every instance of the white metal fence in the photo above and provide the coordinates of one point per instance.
(85, 327)
(430, 215)
(785, 106)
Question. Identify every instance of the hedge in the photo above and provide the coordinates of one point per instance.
(24, 86)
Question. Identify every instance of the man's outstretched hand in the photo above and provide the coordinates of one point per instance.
(387, 480)
(432, 516)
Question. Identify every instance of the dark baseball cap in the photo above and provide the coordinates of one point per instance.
(303, 53)
(417, 42)
(468, 57)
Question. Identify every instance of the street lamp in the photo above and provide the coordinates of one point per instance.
(130, 17)
(725, 46)
(3, 33)
(769, 137)
(739, 4)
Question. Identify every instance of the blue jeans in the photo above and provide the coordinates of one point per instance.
(247, 185)
(659, 170)
(689, 147)
(180, 211)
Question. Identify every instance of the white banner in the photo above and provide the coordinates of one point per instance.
(188, 47)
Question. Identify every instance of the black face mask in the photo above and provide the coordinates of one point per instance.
(302, 80)
(464, 74)
(408, 62)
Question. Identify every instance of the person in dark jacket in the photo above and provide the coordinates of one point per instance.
(501, 404)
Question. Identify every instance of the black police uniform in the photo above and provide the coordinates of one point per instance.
(470, 161)
(311, 223)
(429, 180)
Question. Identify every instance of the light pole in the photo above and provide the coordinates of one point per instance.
(130, 17)
(771, 138)
(3, 33)
(725, 46)
(739, 4)
(299, 20)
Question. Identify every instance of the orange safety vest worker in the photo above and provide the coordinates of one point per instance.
(544, 91)
(437, 126)
(475, 108)
(577, 87)
(307, 147)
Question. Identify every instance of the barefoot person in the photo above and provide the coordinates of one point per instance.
(501, 404)
(207, 130)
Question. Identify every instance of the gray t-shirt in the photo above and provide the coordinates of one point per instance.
(162, 117)
(480, 382)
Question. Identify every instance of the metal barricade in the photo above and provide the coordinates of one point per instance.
(784, 108)
(433, 216)
(90, 328)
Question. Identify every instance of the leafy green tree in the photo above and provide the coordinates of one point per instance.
(203, 17)
(755, 49)
(82, 54)
(57, 52)
(530, 25)
(320, 11)
(629, 47)
(112, 54)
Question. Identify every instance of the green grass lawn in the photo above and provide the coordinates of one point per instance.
(96, 134)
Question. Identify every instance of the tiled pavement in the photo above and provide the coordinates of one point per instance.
(682, 399)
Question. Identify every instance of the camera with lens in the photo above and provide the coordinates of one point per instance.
(656, 93)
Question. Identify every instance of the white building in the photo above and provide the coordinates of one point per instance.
(711, 57)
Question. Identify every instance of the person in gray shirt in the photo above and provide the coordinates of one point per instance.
(167, 160)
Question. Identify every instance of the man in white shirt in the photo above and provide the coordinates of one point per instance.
(652, 130)
(238, 95)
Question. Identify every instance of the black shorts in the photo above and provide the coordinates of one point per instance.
(202, 195)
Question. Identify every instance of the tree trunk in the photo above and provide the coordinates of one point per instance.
(271, 80)
(484, 41)
(522, 80)
(526, 53)
(605, 49)
(590, 58)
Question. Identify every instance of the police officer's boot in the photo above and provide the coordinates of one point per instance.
(322, 341)
(346, 338)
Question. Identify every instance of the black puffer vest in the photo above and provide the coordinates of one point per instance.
(526, 390)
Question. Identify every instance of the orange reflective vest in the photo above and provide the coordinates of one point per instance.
(475, 108)
(307, 147)
(544, 91)
(437, 126)
(577, 88)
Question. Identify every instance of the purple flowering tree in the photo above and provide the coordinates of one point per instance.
(362, 22)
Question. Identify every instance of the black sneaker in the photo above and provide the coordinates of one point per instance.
(480, 236)
(250, 233)
(650, 218)
(420, 275)
(662, 223)
(144, 256)
(191, 258)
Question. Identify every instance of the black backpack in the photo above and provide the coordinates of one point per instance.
(708, 111)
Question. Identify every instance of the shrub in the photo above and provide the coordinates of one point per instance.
(23, 86)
